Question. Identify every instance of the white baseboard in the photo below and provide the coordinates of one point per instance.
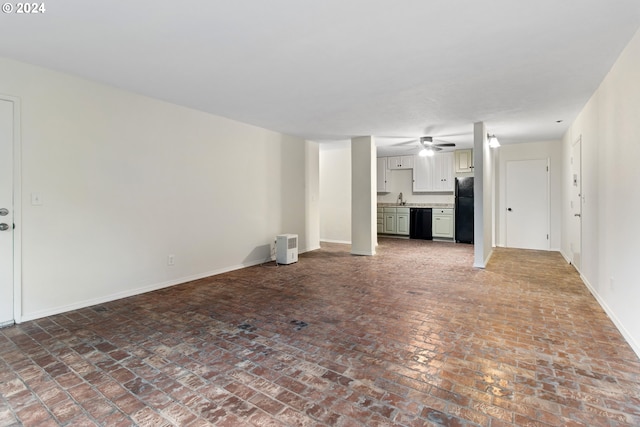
(635, 346)
(138, 291)
(565, 256)
(9, 323)
(344, 242)
(485, 261)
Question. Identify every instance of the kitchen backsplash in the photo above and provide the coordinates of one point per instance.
(402, 182)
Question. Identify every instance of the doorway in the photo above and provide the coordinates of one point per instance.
(527, 204)
(9, 199)
(575, 202)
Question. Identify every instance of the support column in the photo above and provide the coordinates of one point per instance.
(479, 142)
(483, 196)
(363, 196)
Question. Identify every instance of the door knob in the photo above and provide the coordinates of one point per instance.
(577, 215)
(4, 212)
(509, 209)
(4, 227)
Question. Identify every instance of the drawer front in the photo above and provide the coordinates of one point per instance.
(389, 210)
(445, 211)
(403, 211)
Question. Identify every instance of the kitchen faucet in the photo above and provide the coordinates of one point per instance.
(400, 198)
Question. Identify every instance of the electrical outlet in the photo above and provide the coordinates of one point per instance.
(171, 260)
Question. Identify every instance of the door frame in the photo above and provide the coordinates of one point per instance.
(547, 202)
(575, 143)
(17, 207)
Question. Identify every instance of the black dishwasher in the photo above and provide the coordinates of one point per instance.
(420, 224)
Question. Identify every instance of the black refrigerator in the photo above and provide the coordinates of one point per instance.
(464, 210)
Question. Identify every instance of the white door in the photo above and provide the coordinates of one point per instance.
(527, 202)
(575, 232)
(6, 212)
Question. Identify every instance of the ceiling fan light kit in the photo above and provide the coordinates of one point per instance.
(426, 152)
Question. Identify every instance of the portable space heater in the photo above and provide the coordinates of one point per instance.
(287, 248)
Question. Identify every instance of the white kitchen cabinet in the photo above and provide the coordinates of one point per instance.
(402, 221)
(390, 220)
(423, 174)
(442, 223)
(433, 174)
(394, 221)
(400, 162)
(383, 176)
(443, 178)
(463, 160)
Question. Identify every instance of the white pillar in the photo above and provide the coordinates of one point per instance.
(363, 196)
(479, 137)
(483, 191)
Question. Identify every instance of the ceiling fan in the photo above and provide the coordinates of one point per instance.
(429, 147)
(423, 146)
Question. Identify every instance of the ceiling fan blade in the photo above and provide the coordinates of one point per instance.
(399, 144)
(445, 144)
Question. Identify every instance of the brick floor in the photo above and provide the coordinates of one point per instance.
(413, 336)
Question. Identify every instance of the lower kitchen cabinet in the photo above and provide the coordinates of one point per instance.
(442, 223)
(380, 220)
(402, 221)
(389, 221)
(395, 221)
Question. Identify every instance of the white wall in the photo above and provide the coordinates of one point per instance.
(551, 150)
(126, 180)
(335, 192)
(610, 132)
(312, 191)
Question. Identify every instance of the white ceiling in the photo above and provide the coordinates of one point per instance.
(332, 69)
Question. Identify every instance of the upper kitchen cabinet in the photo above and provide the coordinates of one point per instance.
(423, 173)
(382, 174)
(433, 174)
(464, 161)
(400, 162)
(443, 178)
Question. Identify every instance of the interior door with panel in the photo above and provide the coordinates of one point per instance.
(527, 201)
(6, 212)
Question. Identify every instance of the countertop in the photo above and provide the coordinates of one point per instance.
(417, 205)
